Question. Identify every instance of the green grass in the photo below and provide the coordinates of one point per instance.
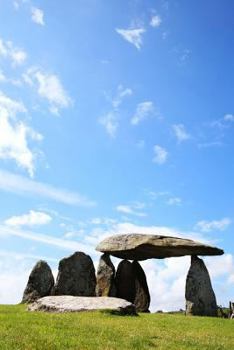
(23, 330)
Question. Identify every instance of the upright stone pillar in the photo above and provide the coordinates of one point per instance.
(125, 281)
(76, 276)
(199, 294)
(105, 277)
(142, 296)
(40, 282)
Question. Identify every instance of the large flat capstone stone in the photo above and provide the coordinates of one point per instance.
(67, 303)
(141, 246)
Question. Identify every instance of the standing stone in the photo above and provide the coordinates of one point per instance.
(199, 294)
(76, 276)
(40, 282)
(125, 281)
(142, 296)
(105, 277)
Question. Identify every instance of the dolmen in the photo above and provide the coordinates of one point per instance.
(126, 290)
(131, 283)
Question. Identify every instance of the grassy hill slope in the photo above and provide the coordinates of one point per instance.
(23, 330)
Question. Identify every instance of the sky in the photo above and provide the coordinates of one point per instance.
(116, 117)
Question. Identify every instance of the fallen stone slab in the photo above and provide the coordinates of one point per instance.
(68, 303)
(141, 247)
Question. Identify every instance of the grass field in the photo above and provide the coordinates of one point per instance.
(20, 329)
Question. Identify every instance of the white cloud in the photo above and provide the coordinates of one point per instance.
(23, 186)
(132, 209)
(219, 225)
(120, 95)
(133, 36)
(37, 16)
(180, 132)
(155, 21)
(160, 155)
(229, 117)
(48, 87)
(16, 55)
(15, 135)
(2, 77)
(143, 111)
(31, 219)
(110, 123)
(174, 201)
(110, 120)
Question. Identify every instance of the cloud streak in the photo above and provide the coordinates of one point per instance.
(21, 185)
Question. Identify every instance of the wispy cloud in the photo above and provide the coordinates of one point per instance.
(174, 201)
(33, 218)
(143, 111)
(155, 21)
(214, 225)
(160, 155)
(16, 55)
(49, 87)
(37, 16)
(132, 209)
(46, 239)
(133, 36)
(15, 134)
(224, 122)
(17, 184)
(110, 120)
(180, 132)
(210, 144)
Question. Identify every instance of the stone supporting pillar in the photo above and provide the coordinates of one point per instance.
(125, 281)
(132, 285)
(105, 277)
(142, 296)
(199, 294)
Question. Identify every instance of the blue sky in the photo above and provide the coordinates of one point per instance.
(115, 117)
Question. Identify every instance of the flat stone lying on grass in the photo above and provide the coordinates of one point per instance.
(141, 246)
(67, 303)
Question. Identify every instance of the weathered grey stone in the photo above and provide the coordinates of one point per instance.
(142, 296)
(40, 282)
(199, 294)
(67, 303)
(76, 276)
(125, 281)
(105, 277)
(141, 247)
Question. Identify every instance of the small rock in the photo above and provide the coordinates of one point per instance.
(40, 282)
(199, 294)
(105, 277)
(76, 276)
